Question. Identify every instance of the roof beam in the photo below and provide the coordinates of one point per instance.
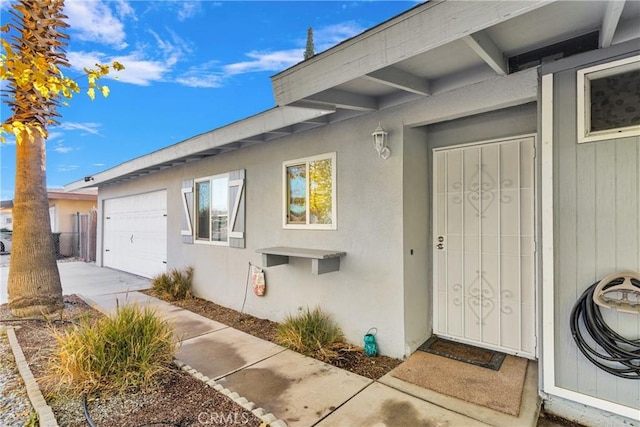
(426, 27)
(323, 120)
(399, 79)
(253, 139)
(486, 49)
(610, 21)
(346, 100)
(282, 131)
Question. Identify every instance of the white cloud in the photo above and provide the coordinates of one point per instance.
(188, 9)
(88, 127)
(207, 75)
(67, 168)
(174, 49)
(327, 37)
(137, 70)
(265, 61)
(125, 10)
(97, 164)
(54, 135)
(9, 139)
(94, 21)
(275, 61)
(204, 81)
(62, 149)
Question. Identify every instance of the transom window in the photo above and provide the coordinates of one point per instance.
(609, 100)
(309, 188)
(212, 202)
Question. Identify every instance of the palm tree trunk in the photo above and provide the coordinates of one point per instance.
(34, 281)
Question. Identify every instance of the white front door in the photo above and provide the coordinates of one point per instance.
(484, 267)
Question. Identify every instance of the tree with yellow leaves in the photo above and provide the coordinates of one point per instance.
(31, 62)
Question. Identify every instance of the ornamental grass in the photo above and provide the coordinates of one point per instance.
(173, 286)
(311, 332)
(128, 350)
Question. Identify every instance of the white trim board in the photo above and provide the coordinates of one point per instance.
(548, 333)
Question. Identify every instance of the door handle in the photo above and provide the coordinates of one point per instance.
(440, 246)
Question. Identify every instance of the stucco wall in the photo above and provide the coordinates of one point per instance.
(416, 245)
(366, 292)
(382, 210)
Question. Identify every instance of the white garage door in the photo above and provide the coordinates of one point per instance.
(135, 233)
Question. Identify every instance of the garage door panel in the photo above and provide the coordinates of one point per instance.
(135, 233)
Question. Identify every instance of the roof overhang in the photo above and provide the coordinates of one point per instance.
(439, 46)
(269, 125)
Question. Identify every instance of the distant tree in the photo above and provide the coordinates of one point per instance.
(310, 50)
(30, 62)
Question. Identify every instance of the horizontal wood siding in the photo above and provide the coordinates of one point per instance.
(597, 232)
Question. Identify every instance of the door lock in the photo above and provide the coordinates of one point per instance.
(440, 239)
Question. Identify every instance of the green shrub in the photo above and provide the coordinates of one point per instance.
(313, 333)
(129, 349)
(173, 286)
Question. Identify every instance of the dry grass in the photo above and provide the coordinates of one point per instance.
(312, 333)
(173, 286)
(129, 349)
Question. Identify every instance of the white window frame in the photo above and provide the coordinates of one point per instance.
(209, 179)
(584, 78)
(285, 195)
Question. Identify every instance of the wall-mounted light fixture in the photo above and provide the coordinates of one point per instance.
(88, 178)
(380, 142)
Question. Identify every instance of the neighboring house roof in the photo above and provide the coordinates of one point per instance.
(6, 204)
(60, 194)
(433, 48)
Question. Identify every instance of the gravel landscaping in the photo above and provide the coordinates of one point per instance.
(177, 400)
(15, 407)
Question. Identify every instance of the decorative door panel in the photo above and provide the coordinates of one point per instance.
(484, 248)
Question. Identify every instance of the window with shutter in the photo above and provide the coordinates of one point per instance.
(215, 207)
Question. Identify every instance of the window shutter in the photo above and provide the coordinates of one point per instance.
(237, 209)
(187, 211)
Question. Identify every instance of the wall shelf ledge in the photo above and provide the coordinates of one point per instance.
(322, 261)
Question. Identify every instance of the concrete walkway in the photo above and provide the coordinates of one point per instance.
(297, 390)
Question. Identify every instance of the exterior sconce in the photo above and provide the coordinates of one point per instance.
(380, 141)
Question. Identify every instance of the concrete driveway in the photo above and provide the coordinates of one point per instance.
(83, 278)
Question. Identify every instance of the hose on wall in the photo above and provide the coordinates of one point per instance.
(618, 355)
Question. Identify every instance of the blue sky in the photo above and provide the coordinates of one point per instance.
(191, 66)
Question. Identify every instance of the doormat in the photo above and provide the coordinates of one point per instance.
(464, 353)
(498, 390)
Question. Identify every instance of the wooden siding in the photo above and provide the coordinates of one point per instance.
(597, 232)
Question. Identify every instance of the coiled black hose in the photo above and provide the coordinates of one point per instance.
(621, 356)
